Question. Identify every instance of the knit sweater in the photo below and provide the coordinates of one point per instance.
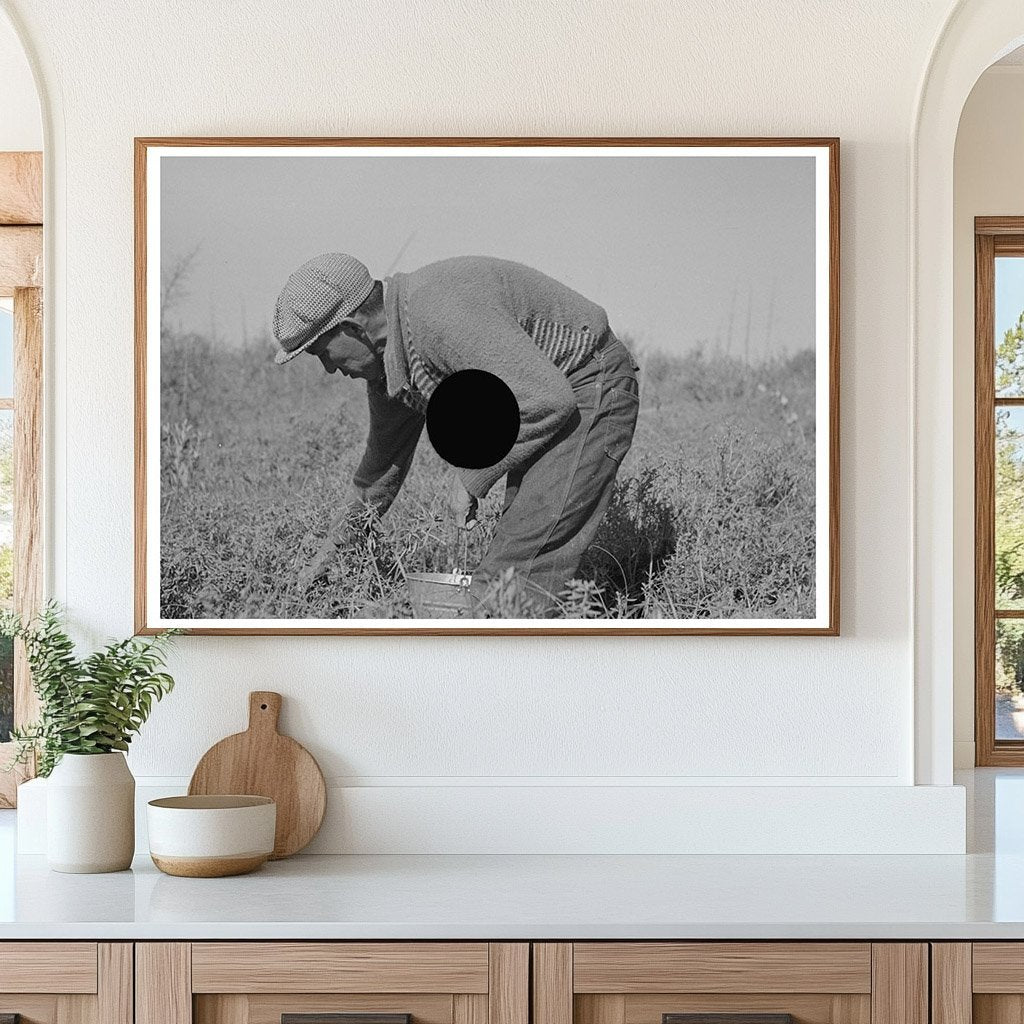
(475, 312)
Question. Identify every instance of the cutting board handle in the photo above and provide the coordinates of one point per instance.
(264, 710)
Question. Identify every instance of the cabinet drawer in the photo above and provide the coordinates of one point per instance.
(730, 983)
(642, 982)
(66, 982)
(332, 983)
(981, 982)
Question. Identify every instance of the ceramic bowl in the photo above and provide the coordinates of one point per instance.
(211, 836)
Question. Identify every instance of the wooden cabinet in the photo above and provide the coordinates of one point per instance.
(494, 983)
(66, 982)
(263, 982)
(755, 982)
(979, 982)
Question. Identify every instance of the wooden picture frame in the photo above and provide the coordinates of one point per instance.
(817, 604)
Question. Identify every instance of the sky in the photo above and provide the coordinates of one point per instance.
(1009, 301)
(681, 251)
(1009, 305)
(1009, 293)
(6, 353)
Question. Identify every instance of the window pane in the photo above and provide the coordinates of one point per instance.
(1009, 575)
(6, 567)
(1009, 679)
(6, 353)
(1009, 326)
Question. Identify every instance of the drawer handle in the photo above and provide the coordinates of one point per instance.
(727, 1018)
(339, 1018)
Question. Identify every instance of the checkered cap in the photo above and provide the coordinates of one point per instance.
(317, 297)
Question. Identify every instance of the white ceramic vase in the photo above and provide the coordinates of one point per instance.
(90, 814)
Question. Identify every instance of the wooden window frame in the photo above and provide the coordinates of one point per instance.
(21, 272)
(993, 236)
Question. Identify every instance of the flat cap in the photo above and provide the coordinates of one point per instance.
(317, 297)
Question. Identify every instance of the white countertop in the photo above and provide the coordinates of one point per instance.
(496, 897)
(980, 895)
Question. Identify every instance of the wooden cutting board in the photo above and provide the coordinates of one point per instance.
(262, 762)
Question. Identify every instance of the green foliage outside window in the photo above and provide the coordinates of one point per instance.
(1010, 361)
(1009, 510)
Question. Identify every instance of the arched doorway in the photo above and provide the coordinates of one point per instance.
(976, 34)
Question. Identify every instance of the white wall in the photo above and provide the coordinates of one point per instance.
(987, 181)
(440, 714)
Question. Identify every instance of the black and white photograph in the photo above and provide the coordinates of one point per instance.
(471, 386)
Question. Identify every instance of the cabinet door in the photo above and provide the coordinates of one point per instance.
(66, 982)
(980, 982)
(332, 983)
(730, 983)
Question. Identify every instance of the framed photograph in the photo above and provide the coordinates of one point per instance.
(498, 386)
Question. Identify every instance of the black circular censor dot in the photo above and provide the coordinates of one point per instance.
(472, 419)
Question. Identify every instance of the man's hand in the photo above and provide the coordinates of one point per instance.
(463, 505)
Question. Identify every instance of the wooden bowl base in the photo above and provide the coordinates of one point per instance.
(209, 867)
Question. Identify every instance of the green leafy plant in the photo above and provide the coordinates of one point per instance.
(90, 705)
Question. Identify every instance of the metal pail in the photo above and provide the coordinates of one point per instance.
(440, 595)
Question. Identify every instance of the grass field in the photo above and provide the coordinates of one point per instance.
(712, 515)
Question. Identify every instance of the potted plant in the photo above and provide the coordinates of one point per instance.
(89, 710)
